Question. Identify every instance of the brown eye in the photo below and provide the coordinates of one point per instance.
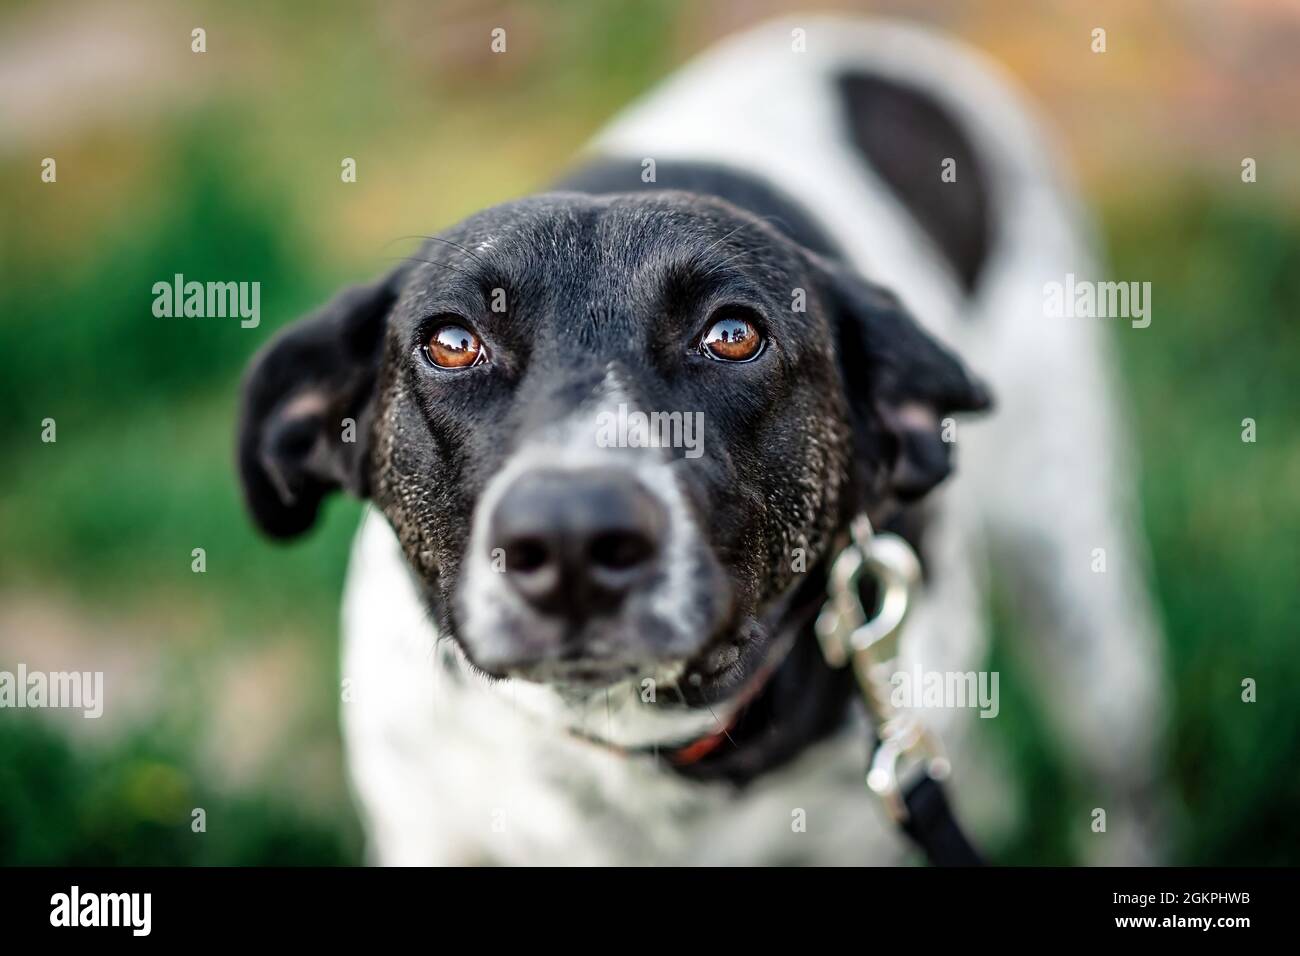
(732, 338)
(453, 346)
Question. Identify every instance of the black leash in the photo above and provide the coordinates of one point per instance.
(931, 825)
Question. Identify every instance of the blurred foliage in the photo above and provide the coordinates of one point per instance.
(1222, 522)
(1221, 514)
(234, 187)
(133, 805)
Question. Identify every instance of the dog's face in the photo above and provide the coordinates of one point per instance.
(610, 433)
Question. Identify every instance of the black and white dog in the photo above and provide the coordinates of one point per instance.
(567, 643)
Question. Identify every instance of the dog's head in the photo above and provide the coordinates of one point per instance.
(610, 432)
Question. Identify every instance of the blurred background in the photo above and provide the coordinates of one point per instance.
(223, 687)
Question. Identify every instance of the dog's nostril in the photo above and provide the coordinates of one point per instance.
(620, 550)
(575, 540)
(526, 554)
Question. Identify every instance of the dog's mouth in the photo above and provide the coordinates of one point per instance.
(731, 668)
(747, 694)
(724, 671)
(727, 667)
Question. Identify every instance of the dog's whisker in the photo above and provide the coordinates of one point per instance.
(715, 269)
(447, 242)
(455, 245)
(744, 225)
(726, 733)
(431, 262)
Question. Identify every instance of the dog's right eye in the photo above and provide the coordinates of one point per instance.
(732, 337)
(451, 345)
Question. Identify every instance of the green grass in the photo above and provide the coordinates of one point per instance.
(134, 803)
(1223, 523)
(1223, 516)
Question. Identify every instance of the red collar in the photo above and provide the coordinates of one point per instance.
(697, 750)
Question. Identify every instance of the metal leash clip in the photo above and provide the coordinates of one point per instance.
(870, 643)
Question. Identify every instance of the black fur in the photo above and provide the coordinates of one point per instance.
(905, 136)
(299, 390)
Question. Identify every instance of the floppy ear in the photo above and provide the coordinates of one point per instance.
(901, 384)
(294, 444)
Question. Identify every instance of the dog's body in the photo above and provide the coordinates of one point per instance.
(841, 148)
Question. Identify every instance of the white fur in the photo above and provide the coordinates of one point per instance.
(449, 769)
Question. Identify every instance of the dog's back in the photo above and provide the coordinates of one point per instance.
(909, 157)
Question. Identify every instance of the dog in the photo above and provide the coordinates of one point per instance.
(573, 636)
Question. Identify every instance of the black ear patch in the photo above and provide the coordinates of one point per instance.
(305, 411)
(901, 385)
(905, 135)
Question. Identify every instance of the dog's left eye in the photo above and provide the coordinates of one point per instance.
(451, 345)
(731, 338)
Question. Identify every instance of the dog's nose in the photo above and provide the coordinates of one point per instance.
(575, 542)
